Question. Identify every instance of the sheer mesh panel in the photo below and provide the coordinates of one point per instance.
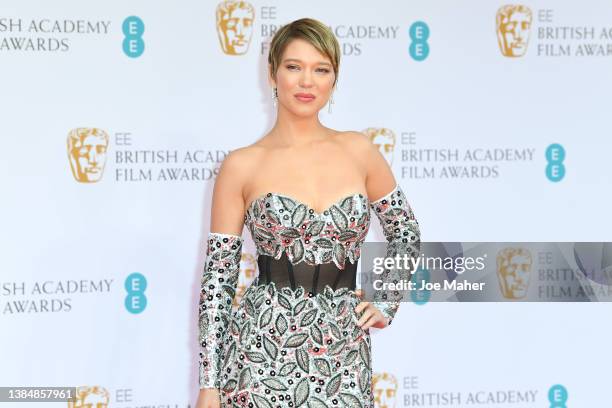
(312, 277)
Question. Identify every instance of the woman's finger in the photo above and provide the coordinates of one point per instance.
(364, 317)
(379, 321)
(361, 306)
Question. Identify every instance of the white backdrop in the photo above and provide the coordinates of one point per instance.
(173, 103)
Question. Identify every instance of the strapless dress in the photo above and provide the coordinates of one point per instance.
(294, 340)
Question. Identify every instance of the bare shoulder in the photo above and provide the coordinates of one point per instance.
(240, 162)
(353, 136)
(379, 175)
(357, 143)
(235, 173)
(227, 210)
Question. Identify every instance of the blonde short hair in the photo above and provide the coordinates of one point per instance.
(314, 32)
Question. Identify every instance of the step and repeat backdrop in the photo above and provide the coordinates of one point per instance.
(115, 118)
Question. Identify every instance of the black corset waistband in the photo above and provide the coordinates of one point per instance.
(312, 278)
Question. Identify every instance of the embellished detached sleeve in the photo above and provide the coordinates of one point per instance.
(218, 288)
(403, 236)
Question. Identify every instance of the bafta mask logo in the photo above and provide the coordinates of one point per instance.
(385, 390)
(248, 269)
(235, 26)
(513, 25)
(513, 271)
(384, 139)
(90, 397)
(87, 153)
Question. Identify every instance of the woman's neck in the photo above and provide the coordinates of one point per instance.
(293, 130)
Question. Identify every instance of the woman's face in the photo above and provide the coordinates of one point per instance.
(304, 79)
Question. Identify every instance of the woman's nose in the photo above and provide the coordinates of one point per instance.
(305, 79)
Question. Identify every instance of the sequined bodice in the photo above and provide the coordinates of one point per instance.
(281, 224)
(298, 250)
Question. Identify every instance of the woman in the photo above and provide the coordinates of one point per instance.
(300, 335)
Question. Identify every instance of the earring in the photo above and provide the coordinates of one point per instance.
(275, 97)
(329, 103)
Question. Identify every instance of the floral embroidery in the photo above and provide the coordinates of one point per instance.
(290, 347)
(279, 223)
(218, 288)
(403, 235)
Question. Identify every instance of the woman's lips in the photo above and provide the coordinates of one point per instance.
(304, 97)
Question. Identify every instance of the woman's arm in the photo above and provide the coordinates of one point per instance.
(403, 235)
(399, 226)
(221, 268)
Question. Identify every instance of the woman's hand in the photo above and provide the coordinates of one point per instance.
(372, 317)
(208, 398)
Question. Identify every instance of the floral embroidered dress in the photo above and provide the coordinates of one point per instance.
(294, 340)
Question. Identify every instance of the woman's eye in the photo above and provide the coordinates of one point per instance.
(294, 67)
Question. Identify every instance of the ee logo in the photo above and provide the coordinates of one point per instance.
(421, 296)
(419, 34)
(133, 44)
(555, 170)
(557, 396)
(135, 285)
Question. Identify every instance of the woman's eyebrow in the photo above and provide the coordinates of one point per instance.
(298, 60)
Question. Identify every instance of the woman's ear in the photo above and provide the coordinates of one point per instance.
(271, 80)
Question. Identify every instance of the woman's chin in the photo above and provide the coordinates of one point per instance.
(304, 111)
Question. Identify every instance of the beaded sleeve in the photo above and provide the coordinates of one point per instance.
(218, 288)
(403, 236)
